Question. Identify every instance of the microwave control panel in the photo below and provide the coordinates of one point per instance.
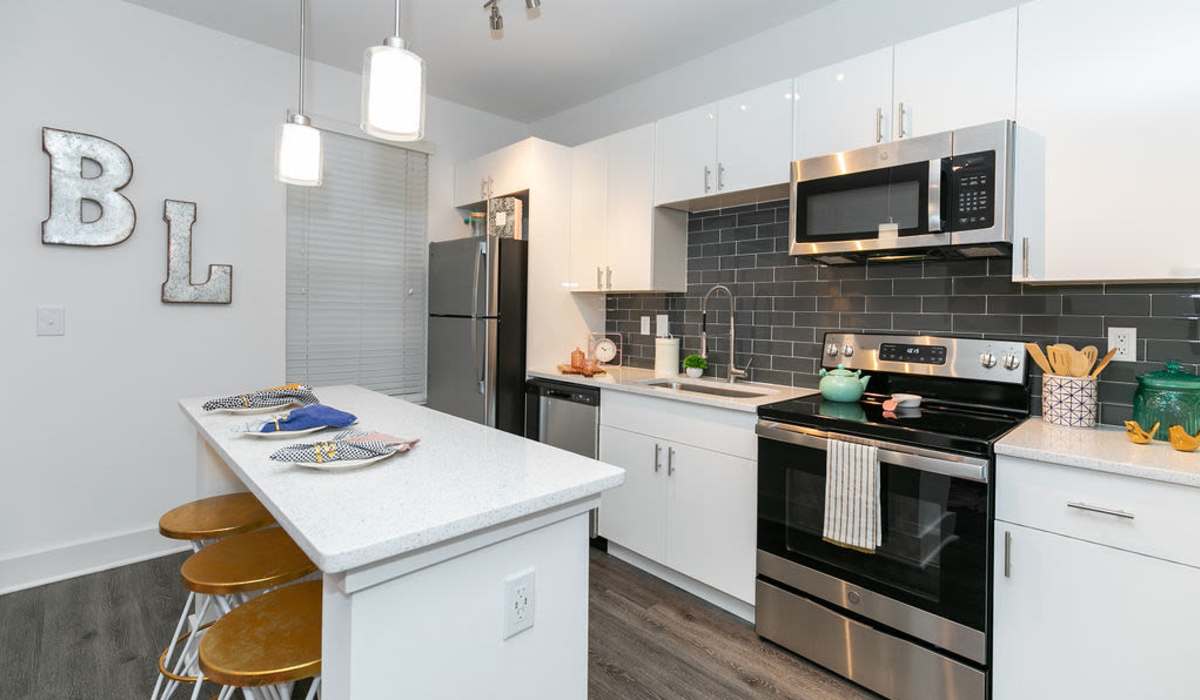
(973, 191)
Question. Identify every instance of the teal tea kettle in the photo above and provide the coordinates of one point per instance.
(842, 384)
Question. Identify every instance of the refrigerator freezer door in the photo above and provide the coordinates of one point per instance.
(459, 277)
(457, 382)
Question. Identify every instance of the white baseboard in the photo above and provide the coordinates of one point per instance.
(29, 569)
(704, 591)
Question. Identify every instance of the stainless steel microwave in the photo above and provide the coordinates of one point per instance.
(950, 192)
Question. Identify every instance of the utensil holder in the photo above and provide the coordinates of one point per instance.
(1073, 401)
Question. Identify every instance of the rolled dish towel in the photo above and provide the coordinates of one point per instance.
(853, 515)
(286, 395)
(317, 415)
(345, 446)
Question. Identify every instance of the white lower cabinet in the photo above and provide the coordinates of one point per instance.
(1080, 620)
(688, 508)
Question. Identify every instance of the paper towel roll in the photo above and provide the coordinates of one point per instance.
(666, 357)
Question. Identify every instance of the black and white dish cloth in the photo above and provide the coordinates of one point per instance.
(346, 446)
(853, 513)
(286, 395)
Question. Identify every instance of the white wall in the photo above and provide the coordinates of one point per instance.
(95, 448)
(842, 30)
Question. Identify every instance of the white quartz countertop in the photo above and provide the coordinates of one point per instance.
(1103, 449)
(461, 478)
(635, 380)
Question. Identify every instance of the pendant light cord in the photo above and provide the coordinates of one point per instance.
(303, 29)
(397, 18)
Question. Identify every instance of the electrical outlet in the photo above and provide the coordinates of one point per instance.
(1125, 341)
(518, 603)
(645, 325)
(662, 326)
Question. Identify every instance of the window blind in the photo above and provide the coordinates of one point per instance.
(356, 269)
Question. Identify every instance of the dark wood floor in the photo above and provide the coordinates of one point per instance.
(98, 636)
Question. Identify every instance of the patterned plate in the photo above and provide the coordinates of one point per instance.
(345, 464)
(276, 434)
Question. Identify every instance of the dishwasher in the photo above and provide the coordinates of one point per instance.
(566, 416)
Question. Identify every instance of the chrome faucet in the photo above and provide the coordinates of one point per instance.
(734, 372)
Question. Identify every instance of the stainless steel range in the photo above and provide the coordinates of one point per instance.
(910, 619)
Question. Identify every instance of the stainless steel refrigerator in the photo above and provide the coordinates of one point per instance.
(477, 330)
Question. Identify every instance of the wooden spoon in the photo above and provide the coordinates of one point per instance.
(1060, 358)
(1039, 357)
(1108, 356)
(1090, 353)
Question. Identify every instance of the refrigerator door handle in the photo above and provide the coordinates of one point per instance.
(475, 314)
(488, 384)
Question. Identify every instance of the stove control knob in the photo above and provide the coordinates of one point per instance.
(988, 360)
(831, 349)
(848, 350)
(1012, 361)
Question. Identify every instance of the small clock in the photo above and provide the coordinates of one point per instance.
(605, 350)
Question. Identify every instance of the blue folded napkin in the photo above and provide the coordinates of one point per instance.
(315, 416)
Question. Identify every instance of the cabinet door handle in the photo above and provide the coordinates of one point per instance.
(599, 277)
(1007, 554)
(720, 176)
(900, 122)
(879, 125)
(657, 464)
(1025, 257)
(1098, 509)
(608, 271)
(670, 461)
(707, 175)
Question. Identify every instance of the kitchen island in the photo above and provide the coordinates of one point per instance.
(415, 551)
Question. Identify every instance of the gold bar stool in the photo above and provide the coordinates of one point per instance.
(265, 645)
(225, 573)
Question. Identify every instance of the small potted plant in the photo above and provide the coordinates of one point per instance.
(695, 365)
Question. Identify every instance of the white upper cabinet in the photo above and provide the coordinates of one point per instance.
(960, 76)
(1114, 91)
(629, 210)
(589, 198)
(686, 158)
(754, 138)
(844, 106)
(619, 241)
(506, 171)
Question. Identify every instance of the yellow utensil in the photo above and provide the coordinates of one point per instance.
(1039, 357)
(1088, 355)
(1108, 356)
(1060, 358)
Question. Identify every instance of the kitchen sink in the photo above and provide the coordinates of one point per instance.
(706, 389)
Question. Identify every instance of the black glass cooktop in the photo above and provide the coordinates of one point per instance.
(934, 426)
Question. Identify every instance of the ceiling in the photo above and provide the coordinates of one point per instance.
(572, 52)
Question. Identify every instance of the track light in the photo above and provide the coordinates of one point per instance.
(496, 20)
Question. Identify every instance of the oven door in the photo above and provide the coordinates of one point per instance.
(929, 579)
(874, 199)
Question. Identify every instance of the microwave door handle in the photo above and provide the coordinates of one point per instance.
(935, 195)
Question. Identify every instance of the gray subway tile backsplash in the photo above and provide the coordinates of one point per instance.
(786, 304)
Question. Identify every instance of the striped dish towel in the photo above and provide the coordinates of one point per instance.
(853, 514)
(286, 395)
(347, 445)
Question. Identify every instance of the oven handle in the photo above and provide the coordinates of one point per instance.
(951, 465)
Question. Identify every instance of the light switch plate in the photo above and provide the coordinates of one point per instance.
(645, 325)
(662, 329)
(51, 320)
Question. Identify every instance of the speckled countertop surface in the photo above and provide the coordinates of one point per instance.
(1102, 449)
(462, 477)
(634, 380)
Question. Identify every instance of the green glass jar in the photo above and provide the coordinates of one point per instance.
(1168, 397)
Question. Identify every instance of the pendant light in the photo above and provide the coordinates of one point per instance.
(298, 157)
(393, 90)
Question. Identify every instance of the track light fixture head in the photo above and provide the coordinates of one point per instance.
(496, 20)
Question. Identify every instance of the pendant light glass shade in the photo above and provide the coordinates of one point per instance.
(299, 159)
(298, 154)
(393, 92)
